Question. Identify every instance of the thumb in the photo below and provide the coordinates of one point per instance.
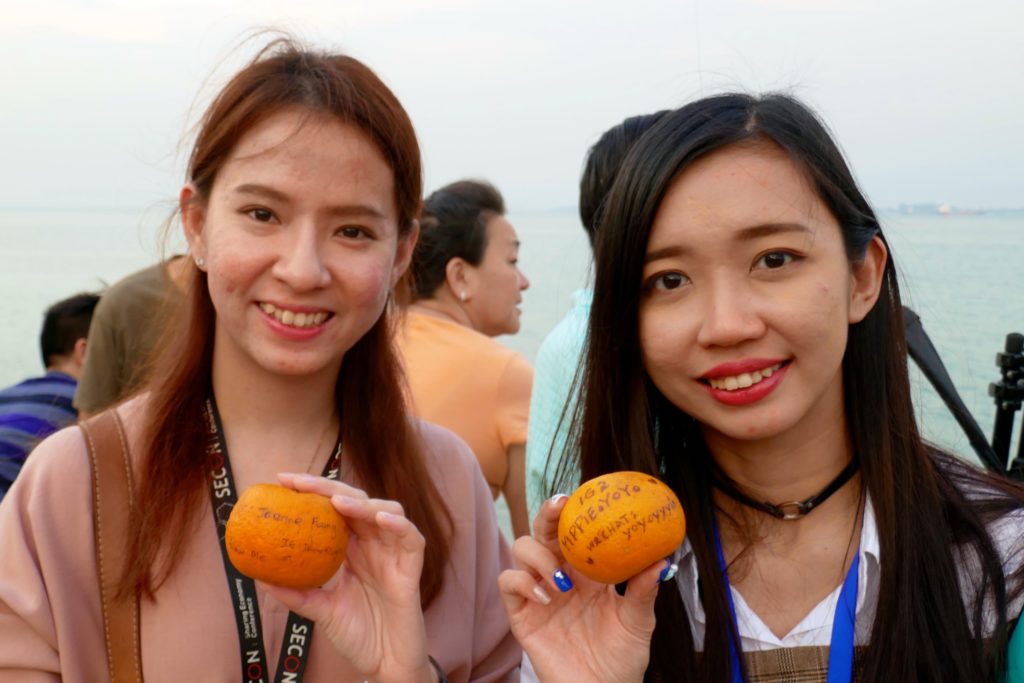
(637, 612)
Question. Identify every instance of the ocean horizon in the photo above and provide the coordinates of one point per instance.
(962, 273)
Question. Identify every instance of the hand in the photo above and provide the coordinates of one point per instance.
(585, 633)
(370, 610)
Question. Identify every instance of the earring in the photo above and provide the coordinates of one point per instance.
(200, 262)
(462, 296)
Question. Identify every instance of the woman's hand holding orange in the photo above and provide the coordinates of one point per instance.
(574, 629)
(371, 610)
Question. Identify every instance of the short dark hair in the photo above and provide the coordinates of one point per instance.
(454, 225)
(602, 165)
(65, 323)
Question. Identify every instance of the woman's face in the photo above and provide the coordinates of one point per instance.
(495, 285)
(747, 297)
(300, 241)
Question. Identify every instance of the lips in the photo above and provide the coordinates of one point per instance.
(743, 382)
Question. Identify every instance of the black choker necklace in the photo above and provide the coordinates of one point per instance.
(793, 509)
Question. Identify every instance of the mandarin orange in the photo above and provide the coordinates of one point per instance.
(284, 537)
(615, 525)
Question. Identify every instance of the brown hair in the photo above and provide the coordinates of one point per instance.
(174, 469)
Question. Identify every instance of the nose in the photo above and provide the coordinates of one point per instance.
(300, 262)
(523, 282)
(732, 316)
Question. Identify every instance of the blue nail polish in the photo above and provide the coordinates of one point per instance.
(563, 581)
(668, 573)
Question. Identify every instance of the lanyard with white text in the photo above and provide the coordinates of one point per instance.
(844, 624)
(298, 635)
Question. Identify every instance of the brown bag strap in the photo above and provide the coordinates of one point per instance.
(113, 507)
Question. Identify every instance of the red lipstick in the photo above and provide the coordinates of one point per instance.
(751, 394)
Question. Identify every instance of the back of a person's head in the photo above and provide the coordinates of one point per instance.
(602, 165)
(64, 323)
(453, 225)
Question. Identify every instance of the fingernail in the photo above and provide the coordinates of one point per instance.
(669, 572)
(563, 581)
(302, 476)
(557, 498)
(542, 595)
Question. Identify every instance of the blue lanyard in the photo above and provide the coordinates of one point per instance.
(844, 623)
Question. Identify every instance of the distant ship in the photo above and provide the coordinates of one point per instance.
(948, 210)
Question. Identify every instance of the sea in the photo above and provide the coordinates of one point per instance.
(963, 274)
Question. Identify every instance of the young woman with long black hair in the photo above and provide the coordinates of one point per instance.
(746, 346)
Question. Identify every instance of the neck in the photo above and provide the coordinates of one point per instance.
(444, 308)
(256, 401)
(783, 469)
(68, 367)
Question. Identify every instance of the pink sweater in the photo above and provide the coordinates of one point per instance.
(50, 623)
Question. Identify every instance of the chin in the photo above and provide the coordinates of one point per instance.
(753, 429)
(296, 367)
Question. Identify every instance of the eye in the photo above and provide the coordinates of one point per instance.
(667, 281)
(352, 232)
(775, 259)
(260, 214)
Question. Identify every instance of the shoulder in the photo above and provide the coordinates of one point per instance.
(516, 365)
(442, 449)
(64, 448)
(568, 336)
(143, 287)
(58, 469)
(450, 461)
(417, 328)
(516, 380)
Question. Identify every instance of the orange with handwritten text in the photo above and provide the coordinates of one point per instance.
(284, 537)
(616, 525)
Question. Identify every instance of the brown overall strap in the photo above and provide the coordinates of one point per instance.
(113, 506)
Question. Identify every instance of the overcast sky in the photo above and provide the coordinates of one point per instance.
(926, 97)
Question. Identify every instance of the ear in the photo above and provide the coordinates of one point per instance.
(403, 254)
(459, 278)
(78, 352)
(193, 219)
(866, 280)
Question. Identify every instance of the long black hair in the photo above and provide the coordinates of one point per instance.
(927, 504)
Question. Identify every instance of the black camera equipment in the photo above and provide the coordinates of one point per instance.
(1008, 393)
(923, 353)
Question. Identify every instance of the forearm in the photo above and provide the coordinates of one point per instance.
(514, 490)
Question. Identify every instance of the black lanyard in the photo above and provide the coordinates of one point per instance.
(298, 635)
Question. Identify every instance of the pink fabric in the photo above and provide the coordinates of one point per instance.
(50, 623)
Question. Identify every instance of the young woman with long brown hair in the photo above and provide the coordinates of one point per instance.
(300, 212)
(746, 346)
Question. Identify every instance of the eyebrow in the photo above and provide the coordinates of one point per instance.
(340, 211)
(747, 234)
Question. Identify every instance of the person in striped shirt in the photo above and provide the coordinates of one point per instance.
(39, 406)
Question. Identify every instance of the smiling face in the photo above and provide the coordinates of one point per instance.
(496, 284)
(300, 241)
(748, 294)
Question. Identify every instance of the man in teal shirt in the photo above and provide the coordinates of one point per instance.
(553, 398)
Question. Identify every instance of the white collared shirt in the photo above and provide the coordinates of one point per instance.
(816, 628)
